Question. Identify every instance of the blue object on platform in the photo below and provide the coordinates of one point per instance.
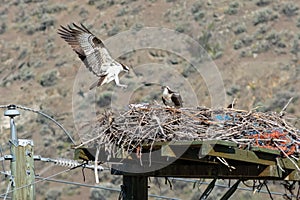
(252, 132)
(222, 117)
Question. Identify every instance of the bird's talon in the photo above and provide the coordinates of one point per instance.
(123, 86)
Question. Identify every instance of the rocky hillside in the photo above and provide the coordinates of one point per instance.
(253, 45)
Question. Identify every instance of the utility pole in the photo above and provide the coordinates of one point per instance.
(22, 161)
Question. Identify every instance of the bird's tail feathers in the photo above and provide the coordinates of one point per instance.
(98, 82)
(94, 85)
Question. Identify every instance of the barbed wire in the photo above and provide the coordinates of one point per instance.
(44, 115)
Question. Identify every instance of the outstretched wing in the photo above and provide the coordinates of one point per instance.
(88, 47)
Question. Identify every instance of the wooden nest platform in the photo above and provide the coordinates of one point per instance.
(149, 124)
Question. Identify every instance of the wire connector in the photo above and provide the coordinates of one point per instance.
(68, 163)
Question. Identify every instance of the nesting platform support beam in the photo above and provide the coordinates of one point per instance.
(196, 159)
(202, 160)
(135, 187)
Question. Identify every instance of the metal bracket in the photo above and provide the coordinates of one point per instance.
(67, 162)
(208, 190)
(14, 142)
(230, 192)
(24, 142)
(6, 157)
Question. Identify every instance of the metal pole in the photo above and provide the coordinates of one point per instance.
(230, 192)
(22, 161)
(135, 187)
(208, 190)
(12, 112)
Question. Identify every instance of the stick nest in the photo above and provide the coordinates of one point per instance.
(149, 124)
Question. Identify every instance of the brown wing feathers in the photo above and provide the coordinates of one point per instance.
(176, 98)
(70, 36)
(86, 45)
(95, 40)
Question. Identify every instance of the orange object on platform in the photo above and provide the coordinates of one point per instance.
(285, 144)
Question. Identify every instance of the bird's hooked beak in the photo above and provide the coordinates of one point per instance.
(125, 68)
(165, 87)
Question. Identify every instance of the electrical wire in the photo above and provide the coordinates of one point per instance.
(49, 178)
(1, 155)
(53, 175)
(226, 186)
(77, 183)
(50, 118)
(98, 187)
(7, 189)
(44, 115)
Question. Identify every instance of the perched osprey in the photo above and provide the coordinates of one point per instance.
(93, 54)
(171, 98)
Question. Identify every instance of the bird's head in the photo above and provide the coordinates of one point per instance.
(125, 68)
(164, 87)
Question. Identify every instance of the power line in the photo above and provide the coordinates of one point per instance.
(1, 155)
(77, 183)
(96, 187)
(53, 175)
(49, 178)
(7, 189)
(50, 118)
(226, 186)
(45, 115)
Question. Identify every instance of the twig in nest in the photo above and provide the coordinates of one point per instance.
(279, 166)
(158, 123)
(91, 140)
(96, 165)
(222, 160)
(137, 127)
(287, 156)
(150, 153)
(281, 114)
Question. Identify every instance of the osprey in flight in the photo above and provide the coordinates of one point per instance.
(93, 54)
(171, 98)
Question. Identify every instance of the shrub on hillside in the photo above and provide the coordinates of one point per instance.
(263, 16)
(49, 78)
(263, 2)
(290, 9)
(232, 8)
